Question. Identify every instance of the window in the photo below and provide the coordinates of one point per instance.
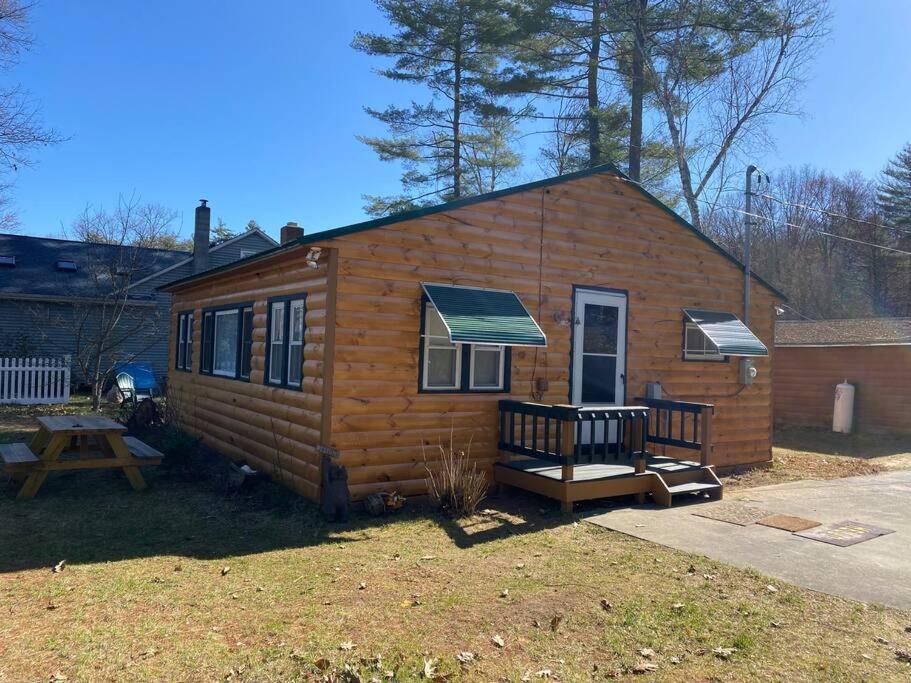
(446, 366)
(185, 341)
(697, 346)
(66, 266)
(285, 362)
(247, 253)
(8, 261)
(227, 342)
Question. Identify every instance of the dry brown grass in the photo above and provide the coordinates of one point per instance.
(455, 484)
(144, 596)
(820, 454)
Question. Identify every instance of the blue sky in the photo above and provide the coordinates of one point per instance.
(255, 106)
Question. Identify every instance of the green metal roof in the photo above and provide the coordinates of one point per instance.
(727, 332)
(484, 316)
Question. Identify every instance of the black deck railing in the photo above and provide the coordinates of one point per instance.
(569, 435)
(680, 424)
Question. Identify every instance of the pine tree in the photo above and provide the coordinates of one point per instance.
(452, 48)
(894, 189)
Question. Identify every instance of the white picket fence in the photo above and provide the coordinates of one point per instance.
(30, 381)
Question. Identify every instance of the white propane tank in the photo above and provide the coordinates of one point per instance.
(843, 415)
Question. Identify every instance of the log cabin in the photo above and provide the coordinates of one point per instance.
(574, 335)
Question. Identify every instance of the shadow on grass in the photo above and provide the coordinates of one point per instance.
(827, 442)
(94, 516)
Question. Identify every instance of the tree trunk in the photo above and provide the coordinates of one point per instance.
(457, 114)
(594, 58)
(637, 91)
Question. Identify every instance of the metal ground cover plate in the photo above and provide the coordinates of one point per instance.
(733, 513)
(844, 533)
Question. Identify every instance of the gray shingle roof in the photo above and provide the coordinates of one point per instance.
(36, 274)
(856, 332)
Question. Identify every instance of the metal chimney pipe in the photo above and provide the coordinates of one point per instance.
(201, 237)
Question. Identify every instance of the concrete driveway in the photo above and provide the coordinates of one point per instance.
(875, 571)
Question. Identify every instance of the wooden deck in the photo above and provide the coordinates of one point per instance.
(569, 471)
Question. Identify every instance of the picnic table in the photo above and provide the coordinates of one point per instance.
(72, 442)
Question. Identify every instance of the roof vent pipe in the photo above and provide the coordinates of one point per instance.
(290, 232)
(201, 237)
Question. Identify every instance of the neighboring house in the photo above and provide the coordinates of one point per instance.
(46, 282)
(374, 343)
(812, 357)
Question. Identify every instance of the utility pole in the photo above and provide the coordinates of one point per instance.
(747, 229)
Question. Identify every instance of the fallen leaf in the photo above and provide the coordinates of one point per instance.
(692, 569)
(644, 668)
(465, 657)
(321, 663)
(646, 652)
(59, 567)
(678, 606)
(362, 586)
(225, 570)
(544, 673)
(430, 670)
(520, 565)
(259, 589)
(408, 602)
(903, 656)
(724, 652)
(555, 621)
(428, 557)
(347, 646)
(708, 577)
(498, 641)
(178, 568)
(536, 623)
(52, 606)
(771, 588)
(504, 593)
(674, 660)
(606, 605)
(775, 624)
(58, 676)
(881, 640)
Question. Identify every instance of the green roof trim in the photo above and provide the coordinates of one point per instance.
(484, 316)
(727, 332)
(610, 168)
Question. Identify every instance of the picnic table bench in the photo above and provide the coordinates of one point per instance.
(71, 442)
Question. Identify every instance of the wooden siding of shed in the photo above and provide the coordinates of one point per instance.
(804, 381)
(275, 430)
(597, 232)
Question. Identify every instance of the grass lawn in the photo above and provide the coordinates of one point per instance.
(184, 582)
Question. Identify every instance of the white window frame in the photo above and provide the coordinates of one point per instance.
(182, 341)
(706, 352)
(273, 307)
(428, 341)
(215, 371)
(293, 304)
(502, 367)
(247, 253)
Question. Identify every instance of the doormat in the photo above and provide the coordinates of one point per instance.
(788, 522)
(845, 533)
(733, 513)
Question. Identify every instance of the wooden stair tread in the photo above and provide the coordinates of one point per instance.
(17, 454)
(693, 487)
(140, 449)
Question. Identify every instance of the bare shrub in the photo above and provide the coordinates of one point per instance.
(457, 486)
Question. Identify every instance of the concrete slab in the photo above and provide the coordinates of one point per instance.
(876, 571)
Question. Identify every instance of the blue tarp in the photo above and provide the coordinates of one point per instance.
(143, 377)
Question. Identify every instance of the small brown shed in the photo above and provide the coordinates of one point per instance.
(527, 321)
(812, 357)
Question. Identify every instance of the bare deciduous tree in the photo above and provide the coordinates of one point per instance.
(105, 319)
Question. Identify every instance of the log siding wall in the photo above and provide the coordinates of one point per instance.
(805, 379)
(361, 371)
(277, 430)
(596, 232)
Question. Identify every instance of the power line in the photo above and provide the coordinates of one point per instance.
(833, 214)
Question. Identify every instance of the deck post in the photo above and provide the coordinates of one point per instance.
(706, 435)
(637, 443)
(567, 449)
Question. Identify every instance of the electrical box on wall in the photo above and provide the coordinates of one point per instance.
(748, 371)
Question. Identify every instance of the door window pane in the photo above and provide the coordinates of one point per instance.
(226, 343)
(600, 333)
(599, 379)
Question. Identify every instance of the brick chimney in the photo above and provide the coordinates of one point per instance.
(290, 232)
(201, 237)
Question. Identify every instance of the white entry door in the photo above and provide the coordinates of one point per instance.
(599, 354)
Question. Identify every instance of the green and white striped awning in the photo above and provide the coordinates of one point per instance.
(727, 332)
(484, 316)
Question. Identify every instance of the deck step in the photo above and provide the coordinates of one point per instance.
(17, 454)
(694, 487)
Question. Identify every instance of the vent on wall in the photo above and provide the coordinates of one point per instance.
(66, 266)
(7, 261)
